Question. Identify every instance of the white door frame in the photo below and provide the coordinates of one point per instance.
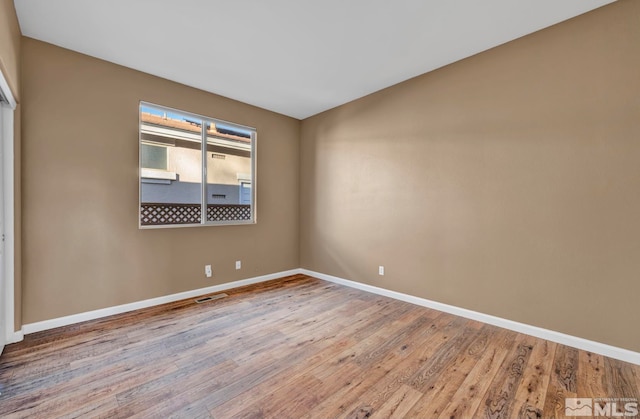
(6, 137)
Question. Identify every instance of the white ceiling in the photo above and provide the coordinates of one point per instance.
(295, 57)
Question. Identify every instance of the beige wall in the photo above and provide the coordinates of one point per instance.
(507, 183)
(82, 247)
(10, 45)
(10, 38)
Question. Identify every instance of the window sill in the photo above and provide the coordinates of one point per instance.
(158, 174)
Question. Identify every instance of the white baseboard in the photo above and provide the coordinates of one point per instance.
(109, 311)
(15, 337)
(553, 336)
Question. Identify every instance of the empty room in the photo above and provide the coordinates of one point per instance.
(304, 209)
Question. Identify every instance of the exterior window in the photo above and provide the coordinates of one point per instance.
(194, 170)
(153, 156)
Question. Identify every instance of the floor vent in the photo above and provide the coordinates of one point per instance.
(211, 298)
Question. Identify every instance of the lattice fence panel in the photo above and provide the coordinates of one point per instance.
(163, 214)
(228, 212)
(160, 214)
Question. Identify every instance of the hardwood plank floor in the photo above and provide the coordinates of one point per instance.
(298, 347)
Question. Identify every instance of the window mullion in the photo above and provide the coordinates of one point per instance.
(203, 219)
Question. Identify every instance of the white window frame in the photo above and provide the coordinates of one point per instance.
(204, 195)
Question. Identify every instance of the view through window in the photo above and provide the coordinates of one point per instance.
(194, 170)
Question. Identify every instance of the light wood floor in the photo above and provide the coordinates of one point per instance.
(298, 348)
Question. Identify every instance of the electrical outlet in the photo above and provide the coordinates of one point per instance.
(380, 270)
(207, 271)
(238, 264)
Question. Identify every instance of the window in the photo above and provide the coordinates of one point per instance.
(153, 156)
(194, 170)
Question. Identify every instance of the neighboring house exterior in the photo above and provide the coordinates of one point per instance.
(171, 163)
(171, 167)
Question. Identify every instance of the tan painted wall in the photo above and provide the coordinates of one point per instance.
(10, 45)
(10, 42)
(507, 183)
(82, 247)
